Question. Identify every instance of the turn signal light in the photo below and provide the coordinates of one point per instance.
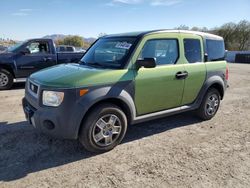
(83, 92)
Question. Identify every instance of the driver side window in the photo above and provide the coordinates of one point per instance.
(38, 47)
(165, 51)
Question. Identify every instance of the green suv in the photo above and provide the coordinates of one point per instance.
(125, 79)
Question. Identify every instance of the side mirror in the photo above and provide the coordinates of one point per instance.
(146, 63)
(25, 51)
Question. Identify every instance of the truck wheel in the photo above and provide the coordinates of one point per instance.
(104, 128)
(209, 105)
(6, 79)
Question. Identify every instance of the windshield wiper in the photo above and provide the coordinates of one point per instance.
(98, 65)
(95, 65)
(82, 62)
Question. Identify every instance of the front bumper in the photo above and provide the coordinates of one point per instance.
(29, 112)
(61, 122)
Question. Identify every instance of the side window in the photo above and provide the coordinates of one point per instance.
(69, 49)
(192, 48)
(62, 49)
(38, 47)
(215, 49)
(165, 51)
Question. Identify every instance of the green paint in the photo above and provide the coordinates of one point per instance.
(196, 73)
(156, 89)
(216, 66)
(74, 75)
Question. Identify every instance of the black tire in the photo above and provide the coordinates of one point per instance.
(205, 112)
(6, 79)
(90, 128)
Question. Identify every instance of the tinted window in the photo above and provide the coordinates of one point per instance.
(16, 46)
(69, 49)
(215, 49)
(62, 49)
(165, 51)
(192, 49)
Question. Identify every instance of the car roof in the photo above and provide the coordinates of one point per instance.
(41, 39)
(142, 33)
(65, 46)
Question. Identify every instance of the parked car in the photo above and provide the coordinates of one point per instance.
(125, 79)
(19, 61)
(65, 48)
(79, 49)
(238, 56)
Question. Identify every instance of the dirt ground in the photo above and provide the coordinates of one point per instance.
(178, 151)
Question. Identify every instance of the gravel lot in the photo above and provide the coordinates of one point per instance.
(178, 151)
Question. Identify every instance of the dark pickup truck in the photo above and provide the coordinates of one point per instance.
(18, 62)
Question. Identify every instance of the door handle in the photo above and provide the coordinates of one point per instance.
(47, 58)
(27, 67)
(181, 75)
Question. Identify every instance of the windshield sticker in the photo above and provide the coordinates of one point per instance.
(123, 45)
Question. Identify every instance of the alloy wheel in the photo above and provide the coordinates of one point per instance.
(3, 79)
(212, 104)
(107, 130)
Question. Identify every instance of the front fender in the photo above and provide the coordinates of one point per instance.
(7, 62)
(123, 92)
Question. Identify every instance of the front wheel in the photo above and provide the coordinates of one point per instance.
(6, 79)
(209, 105)
(104, 128)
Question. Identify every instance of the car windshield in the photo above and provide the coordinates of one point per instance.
(109, 52)
(14, 47)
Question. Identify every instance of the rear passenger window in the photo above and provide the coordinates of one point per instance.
(215, 49)
(69, 49)
(165, 51)
(192, 49)
(62, 49)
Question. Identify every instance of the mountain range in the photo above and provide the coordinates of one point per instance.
(62, 36)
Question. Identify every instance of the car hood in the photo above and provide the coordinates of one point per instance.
(5, 55)
(75, 75)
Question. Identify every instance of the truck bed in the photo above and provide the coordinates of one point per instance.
(69, 57)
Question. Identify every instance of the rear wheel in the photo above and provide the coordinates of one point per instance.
(6, 79)
(209, 105)
(104, 128)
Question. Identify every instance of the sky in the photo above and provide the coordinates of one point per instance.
(24, 19)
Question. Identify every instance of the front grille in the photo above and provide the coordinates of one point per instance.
(26, 104)
(33, 88)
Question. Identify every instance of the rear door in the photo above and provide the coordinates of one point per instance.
(194, 65)
(40, 56)
(158, 89)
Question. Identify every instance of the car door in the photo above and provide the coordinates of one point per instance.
(194, 65)
(37, 55)
(158, 88)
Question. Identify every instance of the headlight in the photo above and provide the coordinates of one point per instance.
(52, 98)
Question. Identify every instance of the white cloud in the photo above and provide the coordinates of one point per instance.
(19, 14)
(25, 10)
(149, 2)
(165, 2)
(127, 1)
(22, 12)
